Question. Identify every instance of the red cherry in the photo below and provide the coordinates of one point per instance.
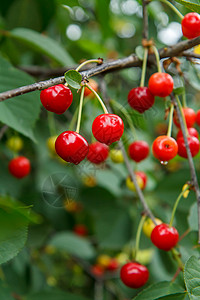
(71, 147)
(80, 229)
(138, 150)
(161, 84)
(143, 176)
(56, 98)
(192, 132)
(191, 25)
(97, 270)
(98, 152)
(107, 128)
(19, 166)
(134, 275)
(164, 237)
(193, 145)
(198, 117)
(113, 265)
(164, 148)
(140, 99)
(189, 115)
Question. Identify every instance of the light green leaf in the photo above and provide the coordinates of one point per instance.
(42, 44)
(22, 112)
(193, 217)
(73, 78)
(139, 51)
(159, 289)
(193, 6)
(75, 245)
(192, 277)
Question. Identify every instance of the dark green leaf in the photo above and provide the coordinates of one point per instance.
(67, 241)
(5, 293)
(103, 16)
(193, 217)
(73, 78)
(179, 296)
(159, 289)
(179, 91)
(52, 295)
(43, 44)
(192, 277)
(193, 6)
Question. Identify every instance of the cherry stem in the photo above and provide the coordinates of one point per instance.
(127, 116)
(51, 123)
(144, 66)
(157, 56)
(176, 256)
(173, 8)
(98, 61)
(73, 120)
(98, 97)
(169, 131)
(184, 100)
(137, 241)
(182, 115)
(176, 204)
(80, 110)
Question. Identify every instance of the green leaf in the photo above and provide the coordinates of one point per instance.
(192, 277)
(73, 78)
(193, 217)
(5, 292)
(159, 289)
(139, 51)
(179, 296)
(52, 295)
(193, 6)
(75, 245)
(179, 91)
(103, 16)
(42, 44)
(22, 112)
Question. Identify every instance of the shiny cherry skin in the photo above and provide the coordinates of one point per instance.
(164, 237)
(193, 145)
(80, 229)
(71, 147)
(107, 128)
(190, 117)
(140, 99)
(192, 132)
(191, 25)
(164, 148)
(56, 98)
(198, 117)
(138, 150)
(19, 166)
(98, 153)
(134, 275)
(161, 84)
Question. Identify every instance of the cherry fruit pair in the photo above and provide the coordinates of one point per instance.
(73, 148)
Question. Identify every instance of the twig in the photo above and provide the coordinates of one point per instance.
(127, 62)
(145, 34)
(193, 175)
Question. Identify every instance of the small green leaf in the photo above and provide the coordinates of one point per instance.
(193, 217)
(139, 50)
(159, 289)
(192, 277)
(179, 296)
(75, 245)
(73, 78)
(179, 91)
(193, 6)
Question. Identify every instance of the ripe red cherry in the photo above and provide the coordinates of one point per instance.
(80, 229)
(56, 98)
(134, 275)
(164, 148)
(161, 84)
(19, 166)
(140, 99)
(193, 145)
(164, 237)
(198, 117)
(192, 132)
(190, 117)
(71, 147)
(191, 25)
(107, 128)
(138, 150)
(113, 265)
(98, 153)
(97, 270)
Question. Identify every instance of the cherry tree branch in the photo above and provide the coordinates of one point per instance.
(194, 180)
(109, 66)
